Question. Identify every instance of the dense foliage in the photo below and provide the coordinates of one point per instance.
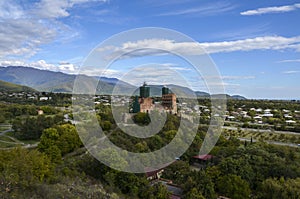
(60, 167)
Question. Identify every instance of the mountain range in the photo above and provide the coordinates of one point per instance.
(10, 87)
(50, 81)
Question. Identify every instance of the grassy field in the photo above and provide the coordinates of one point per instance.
(6, 139)
(4, 128)
(7, 142)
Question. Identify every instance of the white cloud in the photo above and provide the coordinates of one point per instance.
(291, 72)
(160, 3)
(4, 63)
(41, 64)
(101, 72)
(256, 30)
(53, 8)
(206, 10)
(224, 84)
(257, 43)
(25, 27)
(155, 46)
(154, 74)
(23, 36)
(58, 8)
(10, 10)
(173, 66)
(237, 77)
(65, 66)
(274, 9)
(289, 60)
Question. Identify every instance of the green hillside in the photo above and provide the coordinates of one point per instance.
(10, 87)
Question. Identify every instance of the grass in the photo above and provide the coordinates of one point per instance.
(29, 141)
(4, 128)
(7, 142)
(11, 134)
(6, 139)
(7, 145)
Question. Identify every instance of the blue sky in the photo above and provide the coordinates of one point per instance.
(254, 44)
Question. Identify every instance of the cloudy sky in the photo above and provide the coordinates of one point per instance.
(254, 44)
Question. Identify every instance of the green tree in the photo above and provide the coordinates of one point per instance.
(233, 186)
(202, 182)
(54, 153)
(106, 125)
(68, 138)
(48, 139)
(160, 191)
(280, 188)
(141, 118)
(63, 138)
(113, 158)
(194, 194)
(21, 168)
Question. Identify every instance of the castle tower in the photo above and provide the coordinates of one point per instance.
(144, 91)
(169, 100)
(165, 90)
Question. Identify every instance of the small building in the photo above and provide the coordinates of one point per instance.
(144, 103)
(136, 105)
(144, 91)
(230, 117)
(154, 175)
(258, 110)
(267, 115)
(202, 160)
(175, 190)
(40, 112)
(168, 101)
(290, 122)
(44, 98)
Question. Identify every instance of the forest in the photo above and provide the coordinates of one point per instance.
(59, 166)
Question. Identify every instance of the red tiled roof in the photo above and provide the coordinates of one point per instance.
(152, 173)
(203, 157)
(174, 197)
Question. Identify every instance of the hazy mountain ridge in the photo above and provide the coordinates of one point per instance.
(11, 87)
(50, 81)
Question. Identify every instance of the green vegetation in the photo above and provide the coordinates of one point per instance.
(141, 118)
(264, 114)
(10, 87)
(56, 165)
(272, 136)
(31, 128)
(59, 141)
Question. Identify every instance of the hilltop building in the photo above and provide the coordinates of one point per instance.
(168, 100)
(144, 103)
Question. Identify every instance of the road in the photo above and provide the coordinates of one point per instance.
(6, 131)
(17, 142)
(271, 142)
(261, 130)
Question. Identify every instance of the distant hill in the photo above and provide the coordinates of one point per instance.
(41, 80)
(202, 94)
(239, 97)
(50, 81)
(155, 90)
(10, 87)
